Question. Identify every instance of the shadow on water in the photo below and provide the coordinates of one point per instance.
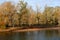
(36, 35)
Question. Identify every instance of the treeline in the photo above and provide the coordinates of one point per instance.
(12, 15)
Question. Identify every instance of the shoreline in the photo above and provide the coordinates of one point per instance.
(16, 29)
(37, 29)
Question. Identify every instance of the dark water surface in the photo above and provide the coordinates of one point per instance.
(36, 35)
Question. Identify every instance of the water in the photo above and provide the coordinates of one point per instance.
(36, 35)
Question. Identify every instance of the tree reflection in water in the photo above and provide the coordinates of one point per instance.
(36, 35)
(52, 34)
(19, 36)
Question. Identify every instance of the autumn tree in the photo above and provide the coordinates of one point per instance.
(48, 12)
(56, 15)
(32, 16)
(8, 10)
(38, 16)
(23, 12)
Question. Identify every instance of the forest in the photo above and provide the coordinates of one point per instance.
(22, 15)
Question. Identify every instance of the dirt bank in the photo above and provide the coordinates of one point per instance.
(15, 29)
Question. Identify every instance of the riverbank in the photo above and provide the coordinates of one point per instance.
(18, 29)
(37, 29)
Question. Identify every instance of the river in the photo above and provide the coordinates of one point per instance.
(35, 35)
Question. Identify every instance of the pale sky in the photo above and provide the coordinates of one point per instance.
(41, 3)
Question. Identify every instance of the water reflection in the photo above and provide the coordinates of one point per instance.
(36, 35)
(19, 36)
(5, 36)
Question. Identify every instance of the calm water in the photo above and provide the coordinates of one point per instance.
(36, 35)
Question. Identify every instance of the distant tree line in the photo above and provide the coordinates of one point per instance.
(22, 15)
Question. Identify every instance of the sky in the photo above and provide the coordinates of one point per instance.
(40, 3)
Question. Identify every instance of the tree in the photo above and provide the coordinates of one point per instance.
(32, 18)
(48, 12)
(23, 12)
(38, 17)
(56, 16)
(8, 10)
